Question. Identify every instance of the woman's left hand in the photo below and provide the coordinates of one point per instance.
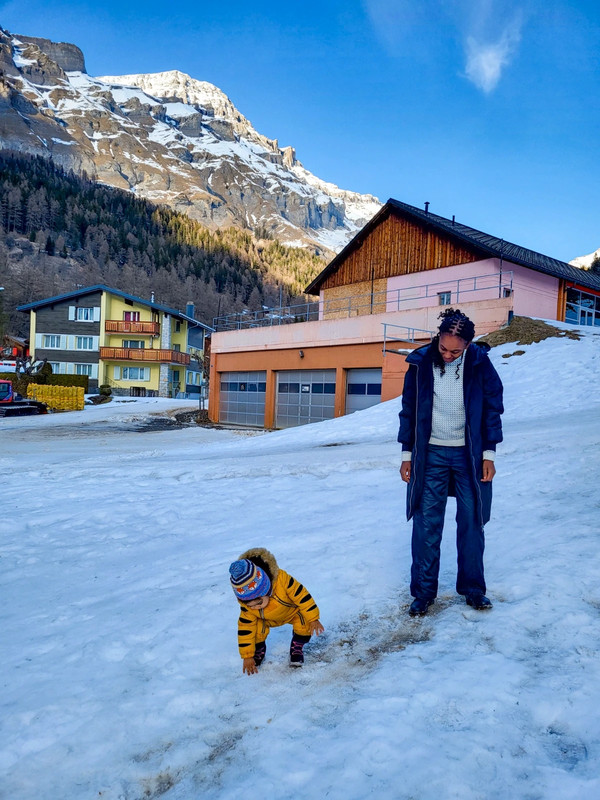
(489, 470)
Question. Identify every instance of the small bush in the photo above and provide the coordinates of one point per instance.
(69, 380)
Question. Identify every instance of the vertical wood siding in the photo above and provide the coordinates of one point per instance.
(398, 247)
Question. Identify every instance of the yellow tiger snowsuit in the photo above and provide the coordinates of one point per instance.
(289, 603)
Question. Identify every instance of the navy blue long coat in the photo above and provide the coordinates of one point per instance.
(483, 427)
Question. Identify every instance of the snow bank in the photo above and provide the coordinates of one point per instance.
(121, 677)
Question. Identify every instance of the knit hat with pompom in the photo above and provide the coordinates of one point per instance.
(248, 580)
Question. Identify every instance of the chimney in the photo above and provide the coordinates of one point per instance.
(427, 208)
(189, 309)
(453, 218)
(151, 297)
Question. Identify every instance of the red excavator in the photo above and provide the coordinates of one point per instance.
(12, 404)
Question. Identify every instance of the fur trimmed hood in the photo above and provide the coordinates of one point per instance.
(263, 559)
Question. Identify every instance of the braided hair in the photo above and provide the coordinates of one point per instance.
(455, 323)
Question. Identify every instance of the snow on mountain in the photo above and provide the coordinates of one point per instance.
(120, 670)
(585, 262)
(194, 96)
(169, 138)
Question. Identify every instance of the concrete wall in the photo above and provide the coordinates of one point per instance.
(339, 344)
(536, 294)
(488, 315)
(467, 283)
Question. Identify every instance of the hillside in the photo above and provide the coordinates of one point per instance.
(121, 670)
(58, 231)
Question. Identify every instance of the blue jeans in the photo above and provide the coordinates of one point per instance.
(428, 522)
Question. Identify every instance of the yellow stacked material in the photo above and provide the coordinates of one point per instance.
(58, 398)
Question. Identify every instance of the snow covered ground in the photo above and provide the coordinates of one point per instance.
(120, 673)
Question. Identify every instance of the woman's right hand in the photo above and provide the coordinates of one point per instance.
(405, 471)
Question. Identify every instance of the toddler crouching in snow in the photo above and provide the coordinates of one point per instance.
(269, 598)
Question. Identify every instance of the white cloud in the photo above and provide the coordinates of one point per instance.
(490, 31)
(486, 60)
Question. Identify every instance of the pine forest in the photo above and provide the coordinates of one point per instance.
(60, 232)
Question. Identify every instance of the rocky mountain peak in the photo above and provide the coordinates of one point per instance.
(169, 138)
(174, 86)
(67, 56)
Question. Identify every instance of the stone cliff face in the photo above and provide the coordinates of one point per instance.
(67, 56)
(171, 139)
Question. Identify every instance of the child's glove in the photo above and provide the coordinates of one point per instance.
(315, 627)
(250, 667)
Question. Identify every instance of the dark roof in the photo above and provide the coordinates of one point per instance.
(48, 301)
(489, 246)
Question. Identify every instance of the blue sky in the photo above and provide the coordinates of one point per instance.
(488, 109)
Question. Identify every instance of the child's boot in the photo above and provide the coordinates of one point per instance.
(259, 653)
(296, 647)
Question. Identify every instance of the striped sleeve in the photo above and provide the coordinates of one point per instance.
(301, 597)
(247, 628)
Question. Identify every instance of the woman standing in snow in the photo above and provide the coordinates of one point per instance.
(449, 427)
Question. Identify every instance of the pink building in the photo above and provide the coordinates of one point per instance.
(379, 298)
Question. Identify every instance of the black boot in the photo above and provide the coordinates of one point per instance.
(479, 601)
(259, 653)
(296, 647)
(419, 606)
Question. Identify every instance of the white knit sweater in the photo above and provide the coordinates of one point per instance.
(448, 414)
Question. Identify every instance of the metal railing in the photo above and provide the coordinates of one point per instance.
(448, 292)
(267, 317)
(398, 334)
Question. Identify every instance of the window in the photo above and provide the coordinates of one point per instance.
(83, 369)
(582, 308)
(84, 342)
(177, 348)
(84, 314)
(370, 389)
(177, 327)
(444, 298)
(51, 340)
(357, 388)
(55, 367)
(134, 344)
(136, 373)
(506, 292)
(131, 316)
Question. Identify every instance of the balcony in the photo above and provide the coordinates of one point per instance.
(406, 298)
(143, 354)
(126, 326)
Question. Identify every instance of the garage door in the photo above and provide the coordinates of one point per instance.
(363, 389)
(242, 398)
(304, 396)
